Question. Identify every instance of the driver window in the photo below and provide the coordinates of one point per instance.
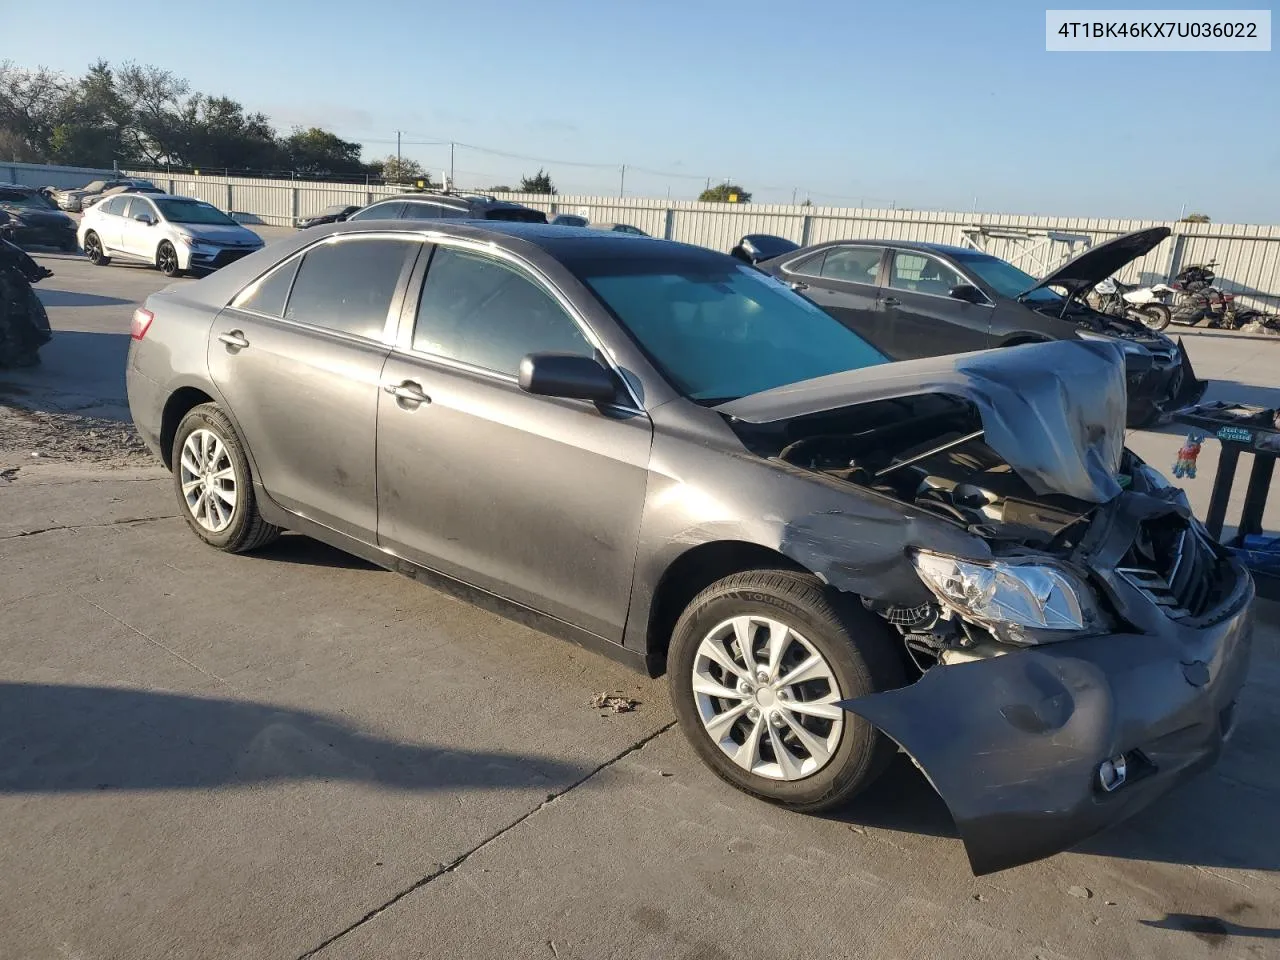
(920, 273)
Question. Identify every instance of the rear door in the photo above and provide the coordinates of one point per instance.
(107, 221)
(845, 282)
(298, 358)
(532, 498)
(921, 317)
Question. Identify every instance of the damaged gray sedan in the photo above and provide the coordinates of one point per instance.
(656, 451)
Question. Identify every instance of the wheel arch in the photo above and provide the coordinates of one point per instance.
(179, 404)
(1021, 337)
(692, 572)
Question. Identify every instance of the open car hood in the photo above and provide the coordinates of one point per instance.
(1054, 411)
(1097, 263)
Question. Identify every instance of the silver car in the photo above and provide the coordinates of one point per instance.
(176, 235)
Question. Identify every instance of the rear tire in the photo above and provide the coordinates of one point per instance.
(738, 730)
(1155, 316)
(93, 250)
(214, 485)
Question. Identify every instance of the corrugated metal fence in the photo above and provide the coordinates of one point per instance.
(1248, 256)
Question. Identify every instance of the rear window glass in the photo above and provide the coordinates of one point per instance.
(516, 214)
(348, 286)
(379, 211)
(268, 294)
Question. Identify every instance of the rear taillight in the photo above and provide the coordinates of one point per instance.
(142, 318)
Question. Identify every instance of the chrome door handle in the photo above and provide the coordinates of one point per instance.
(797, 285)
(891, 301)
(234, 338)
(407, 392)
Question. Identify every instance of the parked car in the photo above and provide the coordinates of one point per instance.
(660, 452)
(87, 202)
(758, 247)
(618, 228)
(73, 200)
(174, 234)
(33, 220)
(334, 213)
(914, 299)
(448, 206)
(569, 220)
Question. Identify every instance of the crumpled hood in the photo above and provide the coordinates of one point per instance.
(1054, 411)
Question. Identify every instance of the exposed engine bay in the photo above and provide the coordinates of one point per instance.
(929, 451)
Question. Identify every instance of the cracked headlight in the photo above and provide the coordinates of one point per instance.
(1021, 603)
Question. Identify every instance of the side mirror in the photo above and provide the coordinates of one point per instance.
(567, 375)
(966, 292)
(145, 218)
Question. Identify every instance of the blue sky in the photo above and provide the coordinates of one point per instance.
(926, 104)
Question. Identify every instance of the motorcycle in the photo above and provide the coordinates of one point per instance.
(1146, 305)
(24, 324)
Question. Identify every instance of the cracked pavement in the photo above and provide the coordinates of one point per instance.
(294, 754)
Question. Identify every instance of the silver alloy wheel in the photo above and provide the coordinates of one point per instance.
(208, 480)
(767, 698)
(167, 259)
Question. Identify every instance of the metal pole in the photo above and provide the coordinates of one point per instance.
(622, 181)
(399, 165)
(451, 166)
(793, 195)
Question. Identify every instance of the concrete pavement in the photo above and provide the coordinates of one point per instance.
(293, 754)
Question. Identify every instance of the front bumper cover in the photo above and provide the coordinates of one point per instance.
(1157, 388)
(1013, 744)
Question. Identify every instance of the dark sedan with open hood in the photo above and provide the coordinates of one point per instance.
(667, 455)
(926, 299)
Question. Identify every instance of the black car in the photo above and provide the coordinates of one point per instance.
(334, 213)
(35, 220)
(914, 299)
(448, 206)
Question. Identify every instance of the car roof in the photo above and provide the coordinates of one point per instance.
(946, 249)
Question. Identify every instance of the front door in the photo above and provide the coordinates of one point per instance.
(298, 358)
(921, 316)
(534, 499)
(844, 281)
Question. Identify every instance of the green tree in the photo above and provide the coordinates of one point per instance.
(394, 169)
(540, 182)
(318, 152)
(502, 188)
(32, 103)
(1196, 218)
(725, 193)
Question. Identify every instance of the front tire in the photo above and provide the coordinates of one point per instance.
(757, 663)
(214, 485)
(93, 250)
(167, 260)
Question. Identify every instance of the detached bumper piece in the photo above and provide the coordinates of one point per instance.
(1040, 749)
(1166, 384)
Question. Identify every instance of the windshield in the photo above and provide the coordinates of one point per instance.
(718, 331)
(192, 211)
(1006, 279)
(20, 198)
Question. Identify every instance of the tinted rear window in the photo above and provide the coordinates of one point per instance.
(516, 214)
(379, 211)
(348, 286)
(268, 294)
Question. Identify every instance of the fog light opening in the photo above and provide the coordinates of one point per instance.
(1113, 772)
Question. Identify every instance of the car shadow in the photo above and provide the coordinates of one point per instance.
(300, 549)
(58, 738)
(69, 298)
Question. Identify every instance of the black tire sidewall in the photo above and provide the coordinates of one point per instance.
(101, 258)
(209, 417)
(862, 751)
(177, 271)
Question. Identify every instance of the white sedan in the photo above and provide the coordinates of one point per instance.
(174, 234)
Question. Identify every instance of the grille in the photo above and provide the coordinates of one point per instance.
(1175, 568)
(225, 257)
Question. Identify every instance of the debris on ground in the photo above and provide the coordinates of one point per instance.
(614, 702)
(28, 434)
(1084, 893)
